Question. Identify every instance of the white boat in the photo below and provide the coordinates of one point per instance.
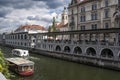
(20, 52)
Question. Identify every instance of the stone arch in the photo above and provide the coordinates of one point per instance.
(91, 51)
(77, 50)
(67, 49)
(58, 48)
(108, 53)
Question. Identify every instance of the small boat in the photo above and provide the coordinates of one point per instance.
(20, 52)
(21, 66)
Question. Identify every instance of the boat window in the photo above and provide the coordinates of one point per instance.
(27, 68)
(20, 68)
(31, 67)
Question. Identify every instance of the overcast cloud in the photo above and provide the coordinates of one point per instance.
(14, 13)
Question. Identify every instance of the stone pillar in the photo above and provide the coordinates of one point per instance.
(117, 39)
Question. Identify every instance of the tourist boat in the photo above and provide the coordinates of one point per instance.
(20, 52)
(21, 66)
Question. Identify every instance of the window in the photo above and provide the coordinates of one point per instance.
(82, 27)
(21, 36)
(106, 13)
(106, 25)
(83, 9)
(62, 17)
(72, 18)
(118, 1)
(83, 18)
(106, 3)
(119, 24)
(72, 11)
(94, 26)
(94, 16)
(66, 17)
(94, 6)
(25, 36)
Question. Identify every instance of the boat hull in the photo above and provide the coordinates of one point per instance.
(26, 73)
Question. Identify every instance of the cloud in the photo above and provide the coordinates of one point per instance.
(52, 4)
(21, 12)
(4, 11)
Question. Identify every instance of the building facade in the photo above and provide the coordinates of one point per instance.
(93, 14)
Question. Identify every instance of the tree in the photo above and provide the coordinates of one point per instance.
(4, 66)
(53, 27)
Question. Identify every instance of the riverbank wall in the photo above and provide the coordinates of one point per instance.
(91, 61)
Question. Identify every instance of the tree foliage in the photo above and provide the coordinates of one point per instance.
(4, 66)
(53, 27)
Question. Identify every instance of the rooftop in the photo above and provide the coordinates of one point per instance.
(37, 27)
(62, 25)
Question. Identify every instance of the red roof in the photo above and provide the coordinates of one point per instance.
(38, 27)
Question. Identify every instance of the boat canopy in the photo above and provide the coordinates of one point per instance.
(20, 61)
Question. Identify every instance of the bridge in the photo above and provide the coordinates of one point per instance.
(100, 43)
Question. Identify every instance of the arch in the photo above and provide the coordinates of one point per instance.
(67, 49)
(58, 48)
(108, 53)
(77, 50)
(91, 51)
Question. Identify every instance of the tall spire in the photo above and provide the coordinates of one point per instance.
(65, 16)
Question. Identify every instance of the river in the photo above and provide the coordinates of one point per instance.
(47, 68)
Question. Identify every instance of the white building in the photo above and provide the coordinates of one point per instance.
(24, 36)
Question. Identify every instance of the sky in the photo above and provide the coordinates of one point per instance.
(14, 13)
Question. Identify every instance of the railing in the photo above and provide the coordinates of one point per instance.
(76, 42)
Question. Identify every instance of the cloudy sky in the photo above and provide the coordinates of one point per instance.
(14, 13)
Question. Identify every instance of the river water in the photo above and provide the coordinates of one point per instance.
(47, 68)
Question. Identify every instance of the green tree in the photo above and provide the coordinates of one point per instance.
(53, 27)
(4, 66)
(49, 29)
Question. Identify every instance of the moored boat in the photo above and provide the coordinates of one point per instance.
(20, 52)
(21, 66)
